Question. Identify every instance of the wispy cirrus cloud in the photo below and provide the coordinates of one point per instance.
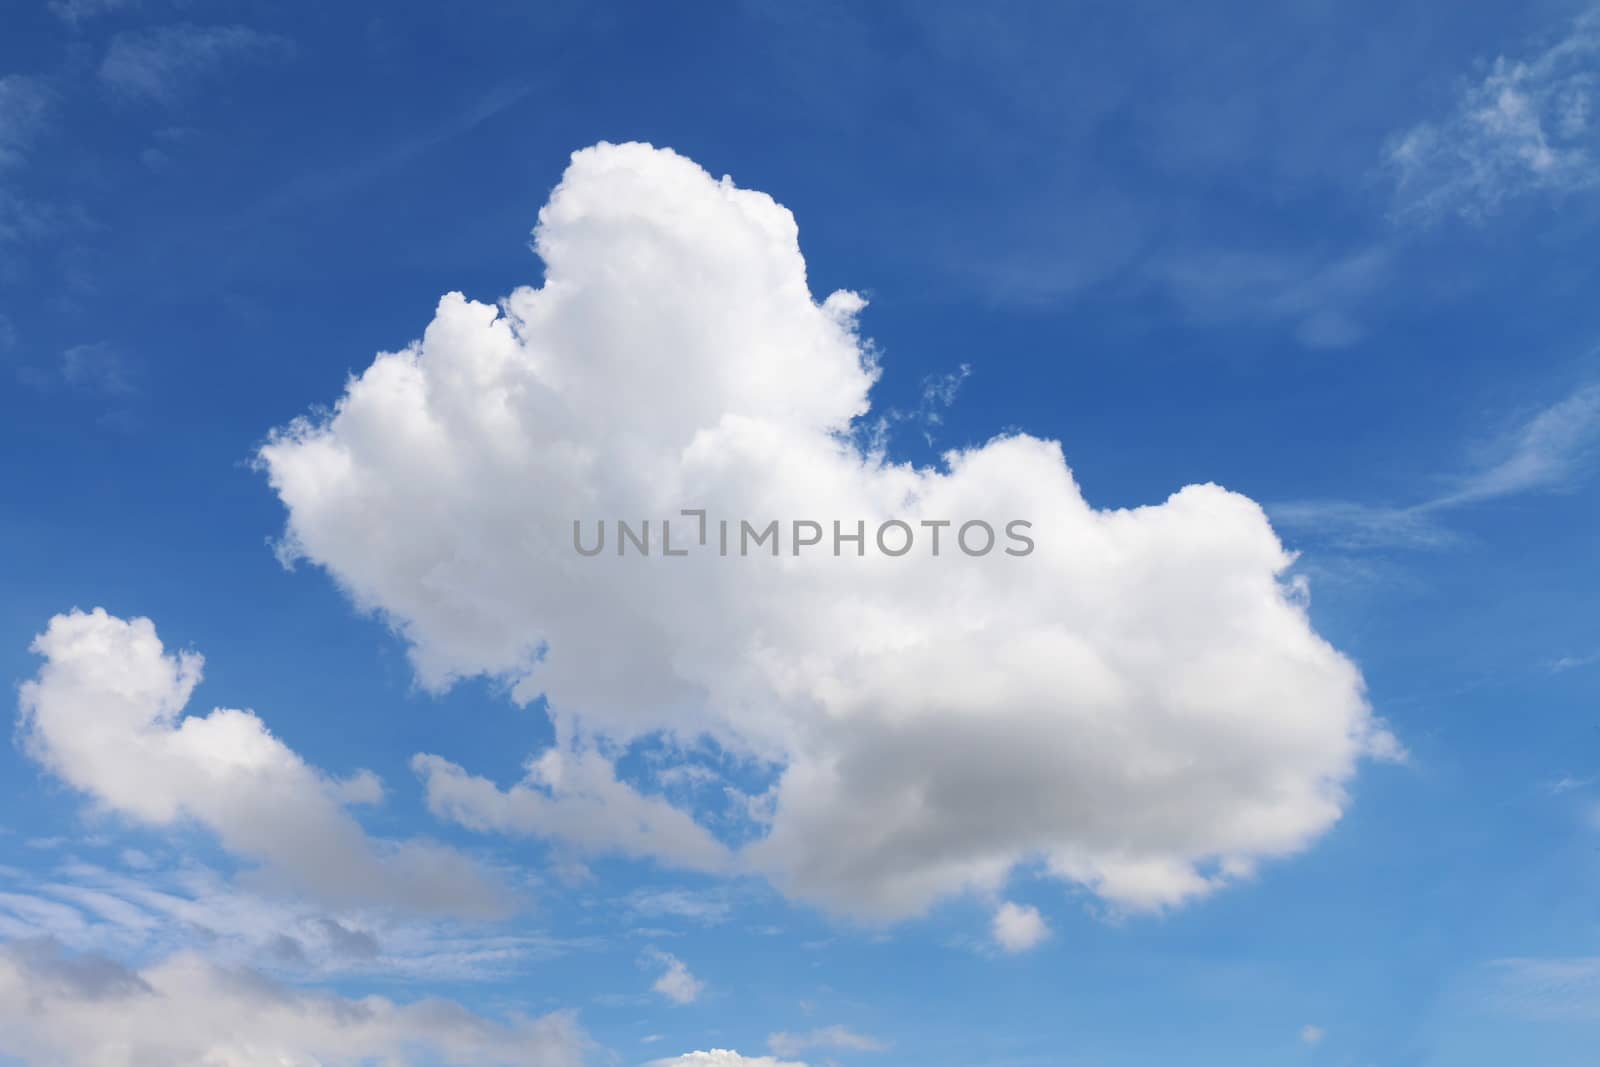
(57, 1007)
(851, 688)
(104, 714)
(1572, 663)
(1527, 126)
(827, 1037)
(166, 62)
(1018, 927)
(1550, 988)
(25, 104)
(1320, 297)
(676, 982)
(153, 909)
(1554, 449)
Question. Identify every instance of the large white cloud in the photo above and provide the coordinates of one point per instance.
(105, 713)
(1141, 703)
(59, 1010)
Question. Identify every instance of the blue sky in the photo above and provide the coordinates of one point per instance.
(1315, 781)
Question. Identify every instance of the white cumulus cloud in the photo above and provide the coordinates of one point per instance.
(105, 714)
(1018, 927)
(1141, 701)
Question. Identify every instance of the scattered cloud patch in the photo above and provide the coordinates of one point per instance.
(1527, 126)
(1312, 1035)
(938, 395)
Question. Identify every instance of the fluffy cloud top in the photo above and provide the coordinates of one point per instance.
(58, 1010)
(105, 714)
(1141, 702)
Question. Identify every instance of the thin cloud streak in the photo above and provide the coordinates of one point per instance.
(1553, 451)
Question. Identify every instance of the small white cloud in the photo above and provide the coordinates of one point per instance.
(675, 357)
(675, 982)
(1018, 927)
(1312, 1035)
